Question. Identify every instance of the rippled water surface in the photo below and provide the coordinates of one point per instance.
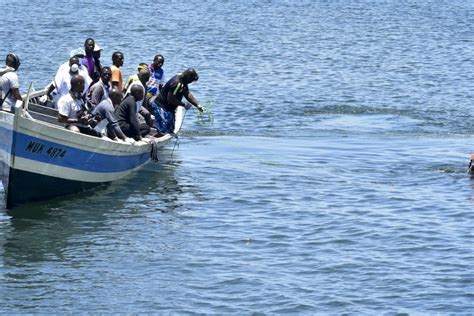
(332, 179)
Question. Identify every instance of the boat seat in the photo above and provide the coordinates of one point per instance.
(45, 118)
(33, 107)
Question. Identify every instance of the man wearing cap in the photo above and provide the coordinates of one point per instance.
(61, 82)
(134, 77)
(79, 53)
(9, 83)
(165, 104)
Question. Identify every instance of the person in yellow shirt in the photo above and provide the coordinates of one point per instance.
(134, 77)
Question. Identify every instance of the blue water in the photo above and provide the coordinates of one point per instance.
(332, 179)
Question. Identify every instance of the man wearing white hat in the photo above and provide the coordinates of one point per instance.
(63, 74)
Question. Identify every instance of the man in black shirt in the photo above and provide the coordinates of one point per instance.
(164, 106)
(127, 117)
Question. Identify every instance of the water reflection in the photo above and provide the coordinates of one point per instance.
(34, 240)
(48, 231)
(155, 188)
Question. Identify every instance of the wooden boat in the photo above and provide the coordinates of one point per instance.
(40, 159)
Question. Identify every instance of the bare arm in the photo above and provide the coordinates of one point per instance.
(66, 119)
(147, 115)
(189, 96)
(16, 94)
(118, 132)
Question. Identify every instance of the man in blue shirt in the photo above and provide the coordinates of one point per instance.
(157, 76)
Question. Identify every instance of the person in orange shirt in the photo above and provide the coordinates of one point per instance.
(116, 81)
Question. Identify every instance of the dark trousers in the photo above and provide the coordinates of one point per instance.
(144, 130)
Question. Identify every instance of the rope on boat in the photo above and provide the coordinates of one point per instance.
(176, 143)
(154, 150)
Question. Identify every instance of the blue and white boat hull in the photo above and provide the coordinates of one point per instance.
(42, 160)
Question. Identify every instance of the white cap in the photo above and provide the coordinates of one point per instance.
(97, 47)
(77, 52)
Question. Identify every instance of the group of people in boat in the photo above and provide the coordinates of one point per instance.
(85, 93)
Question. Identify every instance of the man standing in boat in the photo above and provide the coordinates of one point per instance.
(89, 60)
(157, 76)
(76, 57)
(164, 106)
(62, 81)
(71, 109)
(117, 78)
(9, 83)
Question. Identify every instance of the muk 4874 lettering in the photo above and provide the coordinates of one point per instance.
(42, 149)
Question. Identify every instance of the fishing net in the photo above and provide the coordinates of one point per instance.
(205, 118)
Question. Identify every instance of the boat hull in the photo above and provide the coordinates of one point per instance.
(53, 162)
(26, 187)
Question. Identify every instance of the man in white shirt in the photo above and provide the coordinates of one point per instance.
(70, 107)
(61, 82)
(10, 84)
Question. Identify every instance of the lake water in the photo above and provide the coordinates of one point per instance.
(332, 179)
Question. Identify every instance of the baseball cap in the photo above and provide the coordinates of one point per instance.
(79, 52)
